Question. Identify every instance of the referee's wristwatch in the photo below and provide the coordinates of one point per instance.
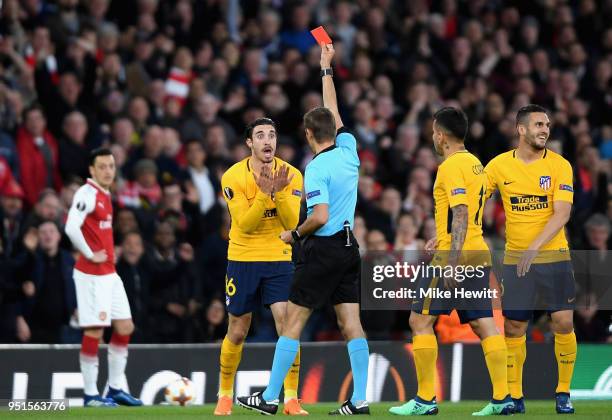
(295, 235)
(327, 72)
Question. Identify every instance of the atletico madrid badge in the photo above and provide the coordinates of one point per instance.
(545, 182)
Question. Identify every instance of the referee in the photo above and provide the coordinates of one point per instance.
(328, 266)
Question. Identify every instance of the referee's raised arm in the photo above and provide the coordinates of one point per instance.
(329, 90)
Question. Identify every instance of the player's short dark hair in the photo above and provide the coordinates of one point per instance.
(100, 151)
(453, 121)
(522, 116)
(322, 123)
(248, 132)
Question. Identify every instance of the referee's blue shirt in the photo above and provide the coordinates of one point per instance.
(331, 178)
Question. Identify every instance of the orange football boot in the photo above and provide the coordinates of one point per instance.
(293, 408)
(224, 406)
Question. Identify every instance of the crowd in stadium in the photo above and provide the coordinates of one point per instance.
(170, 85)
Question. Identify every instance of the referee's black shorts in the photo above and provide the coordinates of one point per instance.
(326, 271)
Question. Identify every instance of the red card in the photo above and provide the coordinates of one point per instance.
(321, 36)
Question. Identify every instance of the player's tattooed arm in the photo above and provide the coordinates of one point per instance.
(458, 231)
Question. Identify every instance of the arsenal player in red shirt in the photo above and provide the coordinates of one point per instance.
(101, 297)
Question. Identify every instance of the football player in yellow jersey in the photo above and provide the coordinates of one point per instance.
(537, 193)
(263, 195)
(459, 194)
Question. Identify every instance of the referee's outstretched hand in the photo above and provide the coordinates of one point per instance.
(265, 180)
(327, 53)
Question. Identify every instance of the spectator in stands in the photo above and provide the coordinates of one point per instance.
(38, 155)
(210, 327)
(181, 213)
(171, 287)
(49, 290)
(11, 218)
(406, 240)
(48, 208)
(144, 192)
(136, 280)
(206, 114)
(73, 147)
(152, 149)
(198, 176)
(212, 260)
(590, 325)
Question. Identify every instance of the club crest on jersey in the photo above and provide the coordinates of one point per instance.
(106, 224)
(545, 182)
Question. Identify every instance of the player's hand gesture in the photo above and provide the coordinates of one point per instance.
(327, 53)
(430, 246)
(450, 283)
(522, 268)
(286, 237)
(282, 178)
(265, 180)
(99, 257)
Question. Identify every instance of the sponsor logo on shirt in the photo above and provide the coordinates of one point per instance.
(528, 202)
(106, 224)
(458, 191)
(565, 187)
(269, 213)
(312, 194)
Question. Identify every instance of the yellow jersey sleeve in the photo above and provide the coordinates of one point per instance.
(288, 201)
(246, 217)
(454, 184)
(491, 177)
(564, 183)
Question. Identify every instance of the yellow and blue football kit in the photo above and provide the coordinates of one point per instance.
(460, 180)
(259, 263)
(528, 191)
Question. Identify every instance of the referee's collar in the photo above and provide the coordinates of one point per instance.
(327, 149)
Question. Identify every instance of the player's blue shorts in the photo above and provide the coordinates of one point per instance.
(546, 286)
(467, 309)
(248, 283)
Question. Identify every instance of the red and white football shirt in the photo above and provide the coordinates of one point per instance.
(90, 228)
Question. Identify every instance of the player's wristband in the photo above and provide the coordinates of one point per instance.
(327, 72)
(295, 235)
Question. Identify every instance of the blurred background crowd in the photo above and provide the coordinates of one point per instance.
(170, 85)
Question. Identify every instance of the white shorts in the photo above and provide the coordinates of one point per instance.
(100, 299)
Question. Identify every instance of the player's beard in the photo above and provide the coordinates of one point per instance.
(265, 157)
(438, 148)
(534, 142)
